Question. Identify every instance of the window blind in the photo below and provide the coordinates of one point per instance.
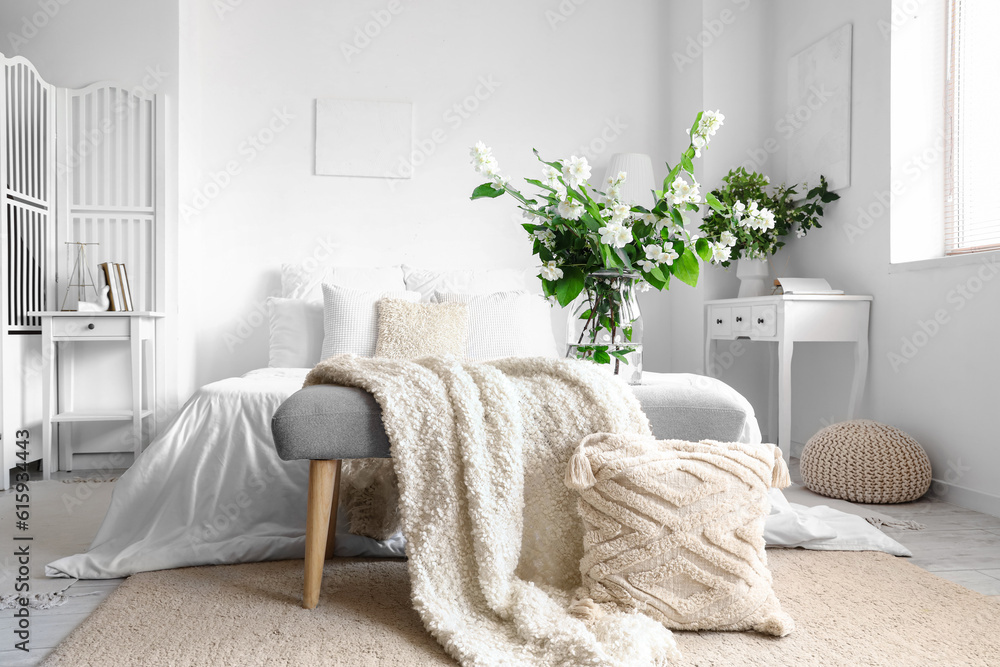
(972, 139)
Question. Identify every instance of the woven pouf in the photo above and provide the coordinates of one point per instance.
(865, 462)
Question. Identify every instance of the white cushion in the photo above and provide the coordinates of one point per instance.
(296, 329)
(350, 319)
(506, 324)
(304, 280)
(466, 281)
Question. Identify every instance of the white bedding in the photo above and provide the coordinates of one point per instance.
(211, 489)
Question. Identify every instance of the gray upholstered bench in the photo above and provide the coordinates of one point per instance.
(328, 423)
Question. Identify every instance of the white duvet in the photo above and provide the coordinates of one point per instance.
(211, 490)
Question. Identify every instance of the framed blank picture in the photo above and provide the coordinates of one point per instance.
(364, 138)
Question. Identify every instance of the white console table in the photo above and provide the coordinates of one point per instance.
(138, 329)
(786, 320)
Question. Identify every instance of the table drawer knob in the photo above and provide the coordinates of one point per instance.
(718, 321)
(90, 326)
(760, 320)
(739, 319)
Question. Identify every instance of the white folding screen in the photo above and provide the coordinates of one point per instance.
(108, 182)
(28, 197)
(77, 165)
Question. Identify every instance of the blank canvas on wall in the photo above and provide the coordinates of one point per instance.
(363, 138)
(819, 110)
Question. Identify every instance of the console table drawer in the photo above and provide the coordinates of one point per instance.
(86, 327)
(764, 321)
(721, 321)
(742, 320)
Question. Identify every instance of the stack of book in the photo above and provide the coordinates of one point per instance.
(120, 293)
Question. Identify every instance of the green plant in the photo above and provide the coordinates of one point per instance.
(755, 215)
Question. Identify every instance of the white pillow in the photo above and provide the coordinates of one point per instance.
(467, 281)
(350, 319)
(296, 329)
(304, 280)
(506, 324)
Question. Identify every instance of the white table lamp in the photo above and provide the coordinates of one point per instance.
(639, 183)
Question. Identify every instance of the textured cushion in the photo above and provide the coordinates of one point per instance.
(304, 280)
(506, 324)
(865, 462)
(413, 330)
(464, 281)
(675, 529)
(350, 319)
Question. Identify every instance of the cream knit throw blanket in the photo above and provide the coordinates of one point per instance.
(493, 536)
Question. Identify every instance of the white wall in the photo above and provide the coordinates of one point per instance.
(934, 358)
(560, 81)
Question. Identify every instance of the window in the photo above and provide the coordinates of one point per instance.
(972, 138)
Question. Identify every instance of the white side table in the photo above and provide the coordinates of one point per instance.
(139, 330)
(786, 320)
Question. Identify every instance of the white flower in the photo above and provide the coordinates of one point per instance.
(499, 182)
(612, 195)
(698, 142)
(551, 272)
(765, 220)
(483, 160)
(550, 176)
(669, 255)
(720, 252)
(800, 232)
(620, 212)
(646, 265)
(545, 235)
(710, 123)
(654, 252)
(480, 151)
(615, 234)
(576, 170)
(682, 192)
(570, 210)
(727, 239)
(560, 191)
(616, 181)
(739, 208)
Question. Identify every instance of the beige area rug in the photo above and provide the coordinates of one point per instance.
(851, 608)
(63, 519)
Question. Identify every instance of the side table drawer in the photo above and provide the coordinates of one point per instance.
(765, 321)
(720, 321)
(742, 320)
(98, 327)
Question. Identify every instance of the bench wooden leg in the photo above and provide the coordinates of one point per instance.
(323, 482)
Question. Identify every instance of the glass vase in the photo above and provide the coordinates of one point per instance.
(605, 325)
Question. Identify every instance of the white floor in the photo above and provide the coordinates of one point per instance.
(958, 544)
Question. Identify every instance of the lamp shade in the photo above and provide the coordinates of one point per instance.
(639, 180)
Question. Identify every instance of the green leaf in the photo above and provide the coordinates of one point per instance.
(686, 268)
(703, 249)
(556, 165)
(677, 217)
(697, 119)
(687, 164)
(671, 176)
(593, 223)
(714, 202)
(601, 357)
(620, 356)
(569, 286)
(486, 190)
